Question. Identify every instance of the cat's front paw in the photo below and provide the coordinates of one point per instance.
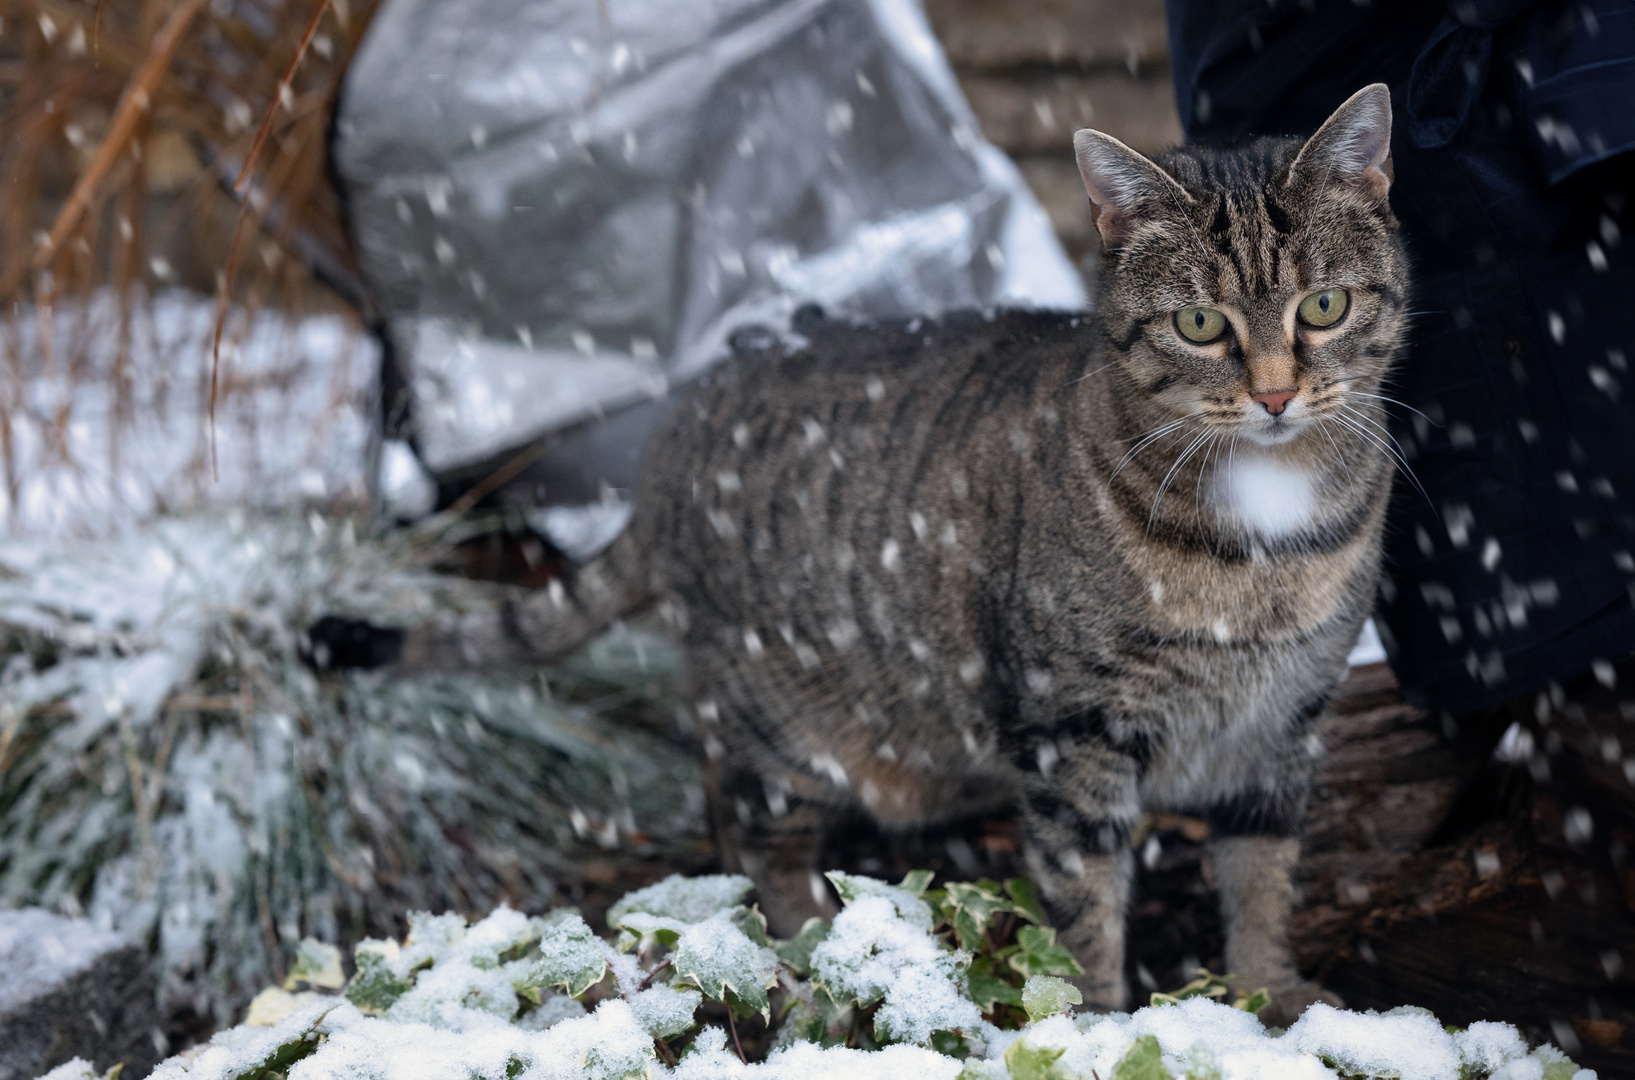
(1288, 1002)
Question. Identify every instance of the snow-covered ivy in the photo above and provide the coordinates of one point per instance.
(908, 983)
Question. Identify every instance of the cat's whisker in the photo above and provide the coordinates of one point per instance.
(1173, 466)
(1376, 424)
(1231, 456)
(1366, 433)
(1394, 401)
(1088, 374)
(1130, 456)
(1339, 457)
(1400, 461)
(1166, 424)
(1197, 489)
(1343, 380)
(1192, 447)
(1198, 485)
(1148, 439)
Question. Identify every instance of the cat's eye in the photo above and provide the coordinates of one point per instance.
(1200, 324)
(1324, 308)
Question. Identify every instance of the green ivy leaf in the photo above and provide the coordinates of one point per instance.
(1144, 1060)
(1025, 895)
(1046, 995)
(950, 1044)
(969, 929)
(1038, 954)
(683, 900)
(1557, 1066)
(571, 958)
(374, 985)
(665, 1011)
(978, 1069)
(909, 907)
(522, 950)
(281, 1057)
(985, 988)
(1027, 1062)
(646, 928)
(1254, 1002)
(973, 907)
(1207, 984)
(752, 924)
(797, 951)
(716, 956)
(916, 882)
(316, 963)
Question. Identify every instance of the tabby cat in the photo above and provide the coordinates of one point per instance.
(1097, 564)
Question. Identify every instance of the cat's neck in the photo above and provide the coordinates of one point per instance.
(1269, 492)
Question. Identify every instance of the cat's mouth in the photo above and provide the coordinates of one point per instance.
(1273, 430)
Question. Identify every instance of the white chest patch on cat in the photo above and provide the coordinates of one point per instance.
(1270, 498)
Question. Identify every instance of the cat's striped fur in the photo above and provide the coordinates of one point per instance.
(954, 563)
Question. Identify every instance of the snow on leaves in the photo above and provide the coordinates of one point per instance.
(881, 950)
(721, 960)
(882, 993)
(572, 959)
(683, 900)
(1046, 995)
(719, 946)
(665, 1011)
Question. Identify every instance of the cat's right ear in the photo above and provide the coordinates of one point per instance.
(1123, 186)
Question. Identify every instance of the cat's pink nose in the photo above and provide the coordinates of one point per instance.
(1275, 401)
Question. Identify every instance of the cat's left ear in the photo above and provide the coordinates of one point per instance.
(1353, 146)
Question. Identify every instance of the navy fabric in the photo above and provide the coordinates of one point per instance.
(1515, 186)
(1575, 84)
(1446, 81)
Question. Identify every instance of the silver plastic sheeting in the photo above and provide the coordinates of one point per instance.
(566, 209)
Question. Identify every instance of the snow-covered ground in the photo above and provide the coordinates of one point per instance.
(94, 439)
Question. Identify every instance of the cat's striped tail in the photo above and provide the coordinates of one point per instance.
(538, 626)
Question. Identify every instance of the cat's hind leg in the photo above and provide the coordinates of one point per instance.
(773, 833)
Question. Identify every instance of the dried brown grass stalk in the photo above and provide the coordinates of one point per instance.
(132, 104)
(240, 188)
(130, 159)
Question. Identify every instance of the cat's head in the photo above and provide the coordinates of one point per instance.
(1258, 287)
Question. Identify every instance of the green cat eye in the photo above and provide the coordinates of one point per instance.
(1323, 308)
(1200, 324)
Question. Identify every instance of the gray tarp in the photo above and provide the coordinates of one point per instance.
(566, 208)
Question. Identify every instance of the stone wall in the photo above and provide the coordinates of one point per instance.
(1035, 71)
